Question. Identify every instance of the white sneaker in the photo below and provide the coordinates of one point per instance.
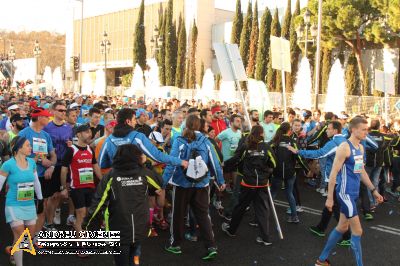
(299, 209)
(57, 216)
(325, 194)
(318, 190)
(218, 205)
(71, 220)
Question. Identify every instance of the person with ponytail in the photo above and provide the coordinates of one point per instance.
(192, 192)
(285, 171)
(23, 182)
(255, 161)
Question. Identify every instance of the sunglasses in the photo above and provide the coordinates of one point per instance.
(62, 110)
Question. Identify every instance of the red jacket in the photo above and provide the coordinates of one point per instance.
(218, 125)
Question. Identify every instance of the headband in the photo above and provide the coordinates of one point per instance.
(18, 144)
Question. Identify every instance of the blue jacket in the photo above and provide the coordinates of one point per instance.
(111, 144)
(207, 152)
(328, 151)
(368, 143)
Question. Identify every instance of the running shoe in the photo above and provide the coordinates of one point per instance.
(174, 250)
(226, 217)
(319, 190)
(71, 220)
(289, 211)
(325, 194)
(190, 237)
(344, 243)
(315, 230)
(218, 205)
(368, 217)
(211, 253)
(57, 216)
(293, 220)
(49, 227)
(263, 242)
(225, 228)
(153, 232)
(253, 223)
(299, 209)
(322, 263)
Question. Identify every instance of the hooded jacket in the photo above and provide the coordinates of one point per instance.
(125, 191)
(124, 134)
(180, 149)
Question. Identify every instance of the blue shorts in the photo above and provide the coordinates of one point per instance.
(348, 204)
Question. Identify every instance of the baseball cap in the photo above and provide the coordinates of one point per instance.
(343, 116)
(74, 105)
(40, 112)
(82, 128)
(108, 109)
(16, 117)
(215, 109)
(111, 124)
(139, 112)
(13, 107)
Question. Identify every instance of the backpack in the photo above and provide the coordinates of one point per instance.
(197, 168)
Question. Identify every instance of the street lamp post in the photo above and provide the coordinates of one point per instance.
(11, 57)
(105, 49)
(37, 51)
(303, 31)
(155, 41)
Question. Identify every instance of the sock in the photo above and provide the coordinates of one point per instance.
(151, 215)
(334, 237)
(357, 250)
(18, 257)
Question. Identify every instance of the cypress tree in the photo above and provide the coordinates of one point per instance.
(160, 32)
(139, 45)
(192, 62)
(351, 76)
(294, 49)
(274, 80)
(263, 46)
(326, 68)
(181, 58)
(201, 74)
(245, 35)
(253, 43)
(187, 72)
(161, 54)
(285, 33)
(170, 56)
(237, 24)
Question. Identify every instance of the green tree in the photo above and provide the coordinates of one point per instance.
(201, 74)
(253, 43)
(170, 46)
(326, 69)
(294, 49)
(274, 80)
(351, 76)
(187, 73)
(237, 24)
(139, 45)
(263, 46)
(192, 60)
(161, 53)
(285, 33)
(181, 59)
(355, 23)
(160, 31)
(245, 35)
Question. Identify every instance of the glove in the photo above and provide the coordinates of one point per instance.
(39, 206)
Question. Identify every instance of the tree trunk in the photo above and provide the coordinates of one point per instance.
(357, 52)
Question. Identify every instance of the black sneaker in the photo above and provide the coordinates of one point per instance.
(225, 228)
(263, 242)
(315, 230)
(211, 253)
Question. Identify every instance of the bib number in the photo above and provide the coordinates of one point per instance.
(86, 175)
(25, 191)
(232, 149)
(358, 164)
(39, 146)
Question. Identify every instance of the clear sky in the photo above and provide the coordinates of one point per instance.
(54, 15)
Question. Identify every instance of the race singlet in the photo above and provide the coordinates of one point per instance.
(85, 175)
(25, 191)
(358, 164)
(39, 146)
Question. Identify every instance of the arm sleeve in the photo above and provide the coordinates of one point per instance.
(170, 169)
(68, 157)
(221, 136)
(104, 157)
(94, 161)
(371, 144)
(38, 188)
(317, 135)
(215, 164)
(325, 151)
(303, 164)
(155, 154)
(50, 146)
(153, 179)
(234, 161)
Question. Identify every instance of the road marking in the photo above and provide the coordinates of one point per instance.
(385, 230)
(389, 228)
(306, 209)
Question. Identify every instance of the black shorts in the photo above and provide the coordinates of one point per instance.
(51, 186)
(81, 197)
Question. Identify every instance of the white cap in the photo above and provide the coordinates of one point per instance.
(343, 116)
(13, 107)
(73, 105)
(107, 110)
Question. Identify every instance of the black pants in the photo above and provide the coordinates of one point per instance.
(396, 173)
(326, 217)
(198, 200)
(365, 203)
(127, 254)
(259, 198)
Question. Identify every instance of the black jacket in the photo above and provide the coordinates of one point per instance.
(376, 158)
(256, 166)
(286, 160)
(320, 135)
(125, 192)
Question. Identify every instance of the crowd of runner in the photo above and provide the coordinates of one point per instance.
(140, 167)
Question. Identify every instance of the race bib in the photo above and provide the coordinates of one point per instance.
(39, 146)
(358, 164)
(25, 191)
(86, 175)
(232, 149)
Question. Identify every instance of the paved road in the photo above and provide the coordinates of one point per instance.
(381, 242)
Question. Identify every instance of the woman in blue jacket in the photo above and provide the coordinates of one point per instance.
(188, 191)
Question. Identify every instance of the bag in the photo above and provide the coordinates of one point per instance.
(197, 169)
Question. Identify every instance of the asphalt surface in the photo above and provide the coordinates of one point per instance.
(381, 241)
